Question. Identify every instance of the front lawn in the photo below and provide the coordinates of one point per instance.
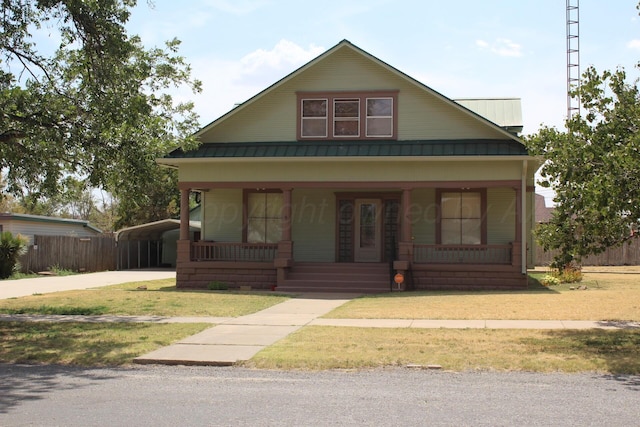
(157, 298)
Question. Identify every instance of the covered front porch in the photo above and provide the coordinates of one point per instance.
(368, 232)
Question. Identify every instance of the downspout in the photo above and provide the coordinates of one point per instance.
(523, 220)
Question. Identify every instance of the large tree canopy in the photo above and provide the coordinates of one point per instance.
(594, 168)
(98, 107)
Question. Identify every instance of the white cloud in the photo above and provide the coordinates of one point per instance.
(283, 56)
(228, 82)
(634, 44)
(501, 47)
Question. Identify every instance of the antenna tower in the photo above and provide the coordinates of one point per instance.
(573, 56)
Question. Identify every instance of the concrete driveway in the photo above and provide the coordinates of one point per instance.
(46, 284)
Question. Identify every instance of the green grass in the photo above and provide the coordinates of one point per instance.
(86, 344)
(161, 298)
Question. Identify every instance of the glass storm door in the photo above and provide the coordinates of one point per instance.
(368, 230)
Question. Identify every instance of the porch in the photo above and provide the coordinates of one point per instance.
(357, 236)
(266, 266)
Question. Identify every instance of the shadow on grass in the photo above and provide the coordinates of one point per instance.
(58, 311)
(534, 287)
(257, 292)
(617, 350)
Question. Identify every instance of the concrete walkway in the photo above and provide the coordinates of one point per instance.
(240, 338)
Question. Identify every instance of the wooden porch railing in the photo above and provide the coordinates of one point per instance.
(462, 254)
(222, 251)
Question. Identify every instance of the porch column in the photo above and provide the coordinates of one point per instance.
(284, 258)
(405, 246)
(184, 214)
(406, 215)
(516, 254)
(183, 244)
(286, 214)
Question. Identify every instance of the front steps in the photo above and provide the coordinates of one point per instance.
(337, 277)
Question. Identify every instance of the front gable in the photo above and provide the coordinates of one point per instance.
(422, 113)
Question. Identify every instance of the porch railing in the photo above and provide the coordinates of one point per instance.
(462, 254)
(223, 251)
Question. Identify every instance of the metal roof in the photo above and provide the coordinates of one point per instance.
(8, 216)
(430, 148)
(505, 112)
(153, 230)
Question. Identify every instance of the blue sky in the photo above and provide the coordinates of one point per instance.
(464, 48)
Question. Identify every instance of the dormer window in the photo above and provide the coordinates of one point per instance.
(366, 115)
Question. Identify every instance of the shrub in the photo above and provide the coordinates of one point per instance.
(549, 280)
(569, 274)
(217, 286)
(11, 248)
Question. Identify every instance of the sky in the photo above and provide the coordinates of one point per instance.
(462, 49)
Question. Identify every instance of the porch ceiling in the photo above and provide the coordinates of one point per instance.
(386, 148)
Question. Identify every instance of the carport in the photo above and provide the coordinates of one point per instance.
(151, 245)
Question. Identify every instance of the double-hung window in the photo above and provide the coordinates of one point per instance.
(353, 115)
(461, 218)
(263, 217)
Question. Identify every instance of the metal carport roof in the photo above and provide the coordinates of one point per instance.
(153, 230)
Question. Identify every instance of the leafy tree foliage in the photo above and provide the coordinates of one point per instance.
(11, 248)
(594, 168)
(98, 108)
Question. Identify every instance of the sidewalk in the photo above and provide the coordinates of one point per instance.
(240, 338)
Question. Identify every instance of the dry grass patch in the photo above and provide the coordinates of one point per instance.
(609, 296)
(87, 344)
(324, 347)
(161, 298)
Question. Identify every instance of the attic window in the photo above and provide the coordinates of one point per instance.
(342, 115)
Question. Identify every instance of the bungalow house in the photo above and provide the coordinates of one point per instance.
(347, 174)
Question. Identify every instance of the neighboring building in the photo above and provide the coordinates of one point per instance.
(348, 171)
(37, 225)
(543, 213)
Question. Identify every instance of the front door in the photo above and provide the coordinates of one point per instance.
(368, 230)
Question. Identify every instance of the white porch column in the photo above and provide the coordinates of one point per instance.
(184, 214)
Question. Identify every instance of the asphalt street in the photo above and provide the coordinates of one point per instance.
(206, 396)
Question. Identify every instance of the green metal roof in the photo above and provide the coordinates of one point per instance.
(439, 148)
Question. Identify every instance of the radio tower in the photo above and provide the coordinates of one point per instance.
(573, 56)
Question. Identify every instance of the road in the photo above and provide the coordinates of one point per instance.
(202, 396)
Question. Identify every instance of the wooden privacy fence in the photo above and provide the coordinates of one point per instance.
(80, 254)
(627, 254)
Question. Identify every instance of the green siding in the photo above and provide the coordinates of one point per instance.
(313, 225)
(335, 170)
(424, 211)
(501, 216)
(222, 215)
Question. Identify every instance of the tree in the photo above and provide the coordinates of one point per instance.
(11, 248)
(98, 108)
(594, 169)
